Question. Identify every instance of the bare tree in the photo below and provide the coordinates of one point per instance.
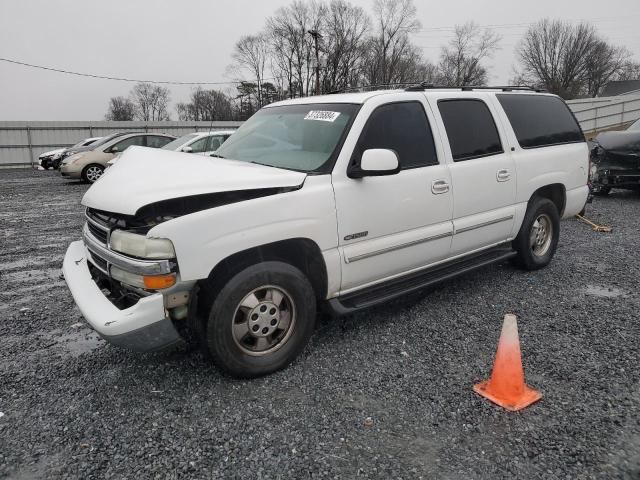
(603, 63)
(390, 46)
(151, 102)
(343, 32)
(630, 70)
(205, 105)
(120, 109)
(292, 45)
(460, 61)
(554, 54)
(250, 54)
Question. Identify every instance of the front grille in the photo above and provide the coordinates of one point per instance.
(97, 232)
(99, 262)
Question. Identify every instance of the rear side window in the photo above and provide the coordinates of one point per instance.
(470, 128)
(402, 127)
(154, 141)
(540, 120)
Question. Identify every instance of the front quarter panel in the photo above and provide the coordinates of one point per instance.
(205, 238)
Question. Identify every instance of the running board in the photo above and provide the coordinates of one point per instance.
(397, 287)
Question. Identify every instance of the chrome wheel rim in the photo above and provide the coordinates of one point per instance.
(263, 320)
(541, 235)
(94, 173)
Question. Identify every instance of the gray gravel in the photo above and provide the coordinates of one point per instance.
(75, 407)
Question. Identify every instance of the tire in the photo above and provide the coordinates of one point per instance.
(260, 320)
(537, 240)
(92, 172)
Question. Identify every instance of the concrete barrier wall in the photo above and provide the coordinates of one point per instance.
(21, 142)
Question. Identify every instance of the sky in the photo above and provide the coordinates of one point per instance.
(192, 41)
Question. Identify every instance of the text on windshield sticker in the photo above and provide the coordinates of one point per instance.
(322, 115)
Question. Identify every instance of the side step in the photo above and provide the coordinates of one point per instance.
(397, 287)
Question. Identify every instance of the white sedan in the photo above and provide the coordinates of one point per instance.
(201, 143)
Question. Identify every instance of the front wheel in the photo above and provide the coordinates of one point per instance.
(537, 240)
(261, 320)
(91, 173)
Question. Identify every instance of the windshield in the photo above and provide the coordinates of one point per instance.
(635, 125)
(83, 143)
(295, 137)
(178, 142)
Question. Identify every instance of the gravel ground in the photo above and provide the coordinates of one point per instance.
(75, 407)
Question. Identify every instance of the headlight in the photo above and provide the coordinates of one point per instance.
(140, 246)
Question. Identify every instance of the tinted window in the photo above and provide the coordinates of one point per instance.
(127, 142)
(403, 128)
(540, 120)
(199, 145)
(216, 142)
(154, 141)
(470, 128)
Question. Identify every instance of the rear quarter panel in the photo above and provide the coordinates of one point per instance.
(565, 164)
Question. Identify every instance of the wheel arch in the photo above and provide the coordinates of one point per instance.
(302, 253)
(556, 192)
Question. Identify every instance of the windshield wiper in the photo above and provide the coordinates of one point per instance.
(216, 155)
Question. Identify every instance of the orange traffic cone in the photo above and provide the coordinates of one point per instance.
(506, 386)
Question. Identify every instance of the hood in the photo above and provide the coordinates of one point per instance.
(52, 152)
(144, 176)
(624, 142)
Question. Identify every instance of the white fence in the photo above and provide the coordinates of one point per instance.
(20, 142)
(597, 114)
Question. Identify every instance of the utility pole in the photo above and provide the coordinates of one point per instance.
(316, 35)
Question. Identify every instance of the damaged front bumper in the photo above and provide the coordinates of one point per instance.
(142, 327)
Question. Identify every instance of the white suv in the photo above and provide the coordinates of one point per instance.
(342, 201)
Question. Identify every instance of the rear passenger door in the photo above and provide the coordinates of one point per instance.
(389, 225)
(483, 173)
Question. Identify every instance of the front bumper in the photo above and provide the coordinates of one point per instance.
(68, 171)
(143, 327)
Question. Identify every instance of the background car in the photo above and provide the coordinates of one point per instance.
(89, 164)
(201, 143)
(52, 158)
(615, 160)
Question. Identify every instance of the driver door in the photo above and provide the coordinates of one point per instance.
(393, 224)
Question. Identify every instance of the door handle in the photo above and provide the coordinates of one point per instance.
(439, 186)
(503, 175)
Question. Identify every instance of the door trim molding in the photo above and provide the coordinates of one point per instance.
(392, 248)
(483, 224)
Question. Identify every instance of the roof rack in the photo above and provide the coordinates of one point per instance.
(378, 86)
(469, 88)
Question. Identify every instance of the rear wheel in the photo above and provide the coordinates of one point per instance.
(91, 173)
(537, 240)
(260, 320)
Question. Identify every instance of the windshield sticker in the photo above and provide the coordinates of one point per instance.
(322, 115)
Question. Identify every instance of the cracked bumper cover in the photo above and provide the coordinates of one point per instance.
(143, 327)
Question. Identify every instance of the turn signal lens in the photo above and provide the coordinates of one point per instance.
(157, 282)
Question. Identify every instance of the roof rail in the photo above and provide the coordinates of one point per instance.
(469, 88)
(367, 88)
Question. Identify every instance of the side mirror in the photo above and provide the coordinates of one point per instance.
(187, 149)
(376, 162)
(114, 149)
